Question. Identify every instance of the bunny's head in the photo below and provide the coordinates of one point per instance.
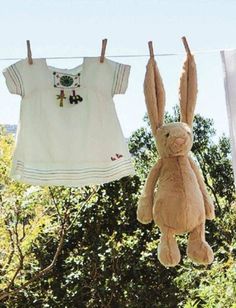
(172, 139)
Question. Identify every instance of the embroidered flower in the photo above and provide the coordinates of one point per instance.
(66, 81)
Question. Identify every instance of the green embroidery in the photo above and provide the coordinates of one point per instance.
(66, 81)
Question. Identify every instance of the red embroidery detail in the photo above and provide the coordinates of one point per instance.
(119, 156)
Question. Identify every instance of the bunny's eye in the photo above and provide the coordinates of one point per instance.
(167, 135)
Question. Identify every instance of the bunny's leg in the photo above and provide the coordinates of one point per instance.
(168, 251)
(198, 249)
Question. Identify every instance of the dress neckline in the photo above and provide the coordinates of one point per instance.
(70, 71)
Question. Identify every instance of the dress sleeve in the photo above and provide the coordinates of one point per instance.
(14, 78)
(120, 78)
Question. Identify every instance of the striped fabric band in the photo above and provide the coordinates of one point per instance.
(103, 174)
(118, 80)
(15, 76)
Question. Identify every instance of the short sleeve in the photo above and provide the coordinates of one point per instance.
(120, 78)
(14, 80)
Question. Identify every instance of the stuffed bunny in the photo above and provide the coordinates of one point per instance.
(180, 202)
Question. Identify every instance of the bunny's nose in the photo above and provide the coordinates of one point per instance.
(179, 141)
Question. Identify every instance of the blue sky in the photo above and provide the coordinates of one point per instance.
(76, 28)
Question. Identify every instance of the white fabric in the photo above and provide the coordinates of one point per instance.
(229, 66)
(77, 144)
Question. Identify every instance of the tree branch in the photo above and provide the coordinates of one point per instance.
(12, 246)
(55, 203)
(23, 232)
(88, 198)
(21, 256)
(5, 294)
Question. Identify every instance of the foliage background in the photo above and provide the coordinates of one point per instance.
(103, 256)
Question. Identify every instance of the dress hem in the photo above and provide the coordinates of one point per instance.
(75, 182)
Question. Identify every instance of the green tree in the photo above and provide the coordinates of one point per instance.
(108, 259)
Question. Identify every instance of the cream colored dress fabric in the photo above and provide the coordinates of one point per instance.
(229, 65)
(80, 143)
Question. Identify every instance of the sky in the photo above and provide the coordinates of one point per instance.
(58, 28)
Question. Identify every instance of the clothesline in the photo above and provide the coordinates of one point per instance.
(125, 56)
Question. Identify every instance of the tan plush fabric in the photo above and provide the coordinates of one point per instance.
(174, 195)
(188, 90)
(154, 95)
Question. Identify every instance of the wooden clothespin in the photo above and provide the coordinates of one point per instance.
(151, 52)
(29, 53)
(104, 45)
(186, 46)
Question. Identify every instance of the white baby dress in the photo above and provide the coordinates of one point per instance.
(69, 133)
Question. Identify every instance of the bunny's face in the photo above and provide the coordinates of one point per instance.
(174, 139)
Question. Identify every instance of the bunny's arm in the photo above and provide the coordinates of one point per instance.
(145, 205)
(208, 203)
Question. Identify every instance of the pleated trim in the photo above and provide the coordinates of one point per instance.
(72, 177)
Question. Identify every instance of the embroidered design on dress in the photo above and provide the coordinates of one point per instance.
(74, 99)
(118, 156)
(67, 82)
(61, 97)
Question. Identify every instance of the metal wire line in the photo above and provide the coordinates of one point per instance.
(122, 56)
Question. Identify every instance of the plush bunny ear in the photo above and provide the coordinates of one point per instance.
(154, 95)
(188, 90)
